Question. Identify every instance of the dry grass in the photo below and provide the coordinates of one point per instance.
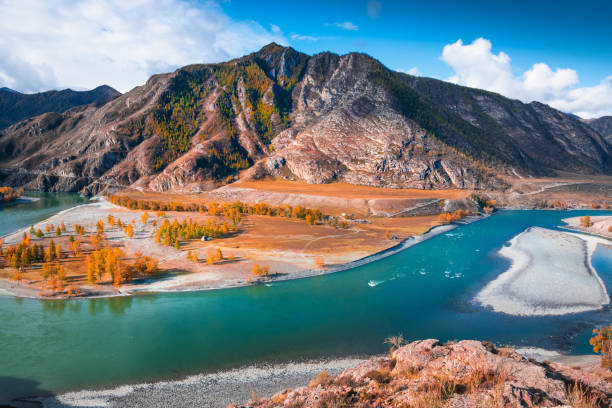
(348, 190)
(324, 379)
(379, 376)
(347, 381)
(334, 400)
(580, 398)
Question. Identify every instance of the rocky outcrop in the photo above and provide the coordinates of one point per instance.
(281, 113)
(464, 374)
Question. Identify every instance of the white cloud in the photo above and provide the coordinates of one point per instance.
(300, 37)
(476, 66)
(347, 25)
(275, 28)
(411, 71)
(86, 43)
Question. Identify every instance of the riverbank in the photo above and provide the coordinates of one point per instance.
(215, 390)
(241, 385)
(601, 226)
(291, 249)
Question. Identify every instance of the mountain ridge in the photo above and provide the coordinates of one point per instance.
(281, 113)
(16, 106)
(603, 126)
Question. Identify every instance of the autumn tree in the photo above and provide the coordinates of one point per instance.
(602, 343)
(18, 276)
(50, 252)
(105, 261)
(91, 269)
(95, 241)
(129, 230)
(63, 227)
(52, 269)
(144, 217)
(210, 258)
(191, 256)
(39, 233)
(219, 255)
(586, 221)
(25, 258)
(75, 247)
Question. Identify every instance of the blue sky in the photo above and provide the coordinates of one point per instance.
(406, 34)
(556, 52)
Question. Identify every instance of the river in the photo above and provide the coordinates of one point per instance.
(425, 291)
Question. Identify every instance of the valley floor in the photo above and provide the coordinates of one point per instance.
(290, 247)
(374, 220)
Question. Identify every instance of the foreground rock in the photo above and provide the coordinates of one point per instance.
(464, 374)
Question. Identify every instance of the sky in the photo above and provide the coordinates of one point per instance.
(556, 52)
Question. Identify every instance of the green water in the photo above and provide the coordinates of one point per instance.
(426, 291)
(16, 216)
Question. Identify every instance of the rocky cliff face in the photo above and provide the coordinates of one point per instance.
(15, 106)
(281, 113)
(464, 374)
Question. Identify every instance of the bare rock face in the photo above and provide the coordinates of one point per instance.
(346, 128)
(281, 113)
(464, 374)
(74, 150)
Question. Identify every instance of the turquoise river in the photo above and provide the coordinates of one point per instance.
(422, 292)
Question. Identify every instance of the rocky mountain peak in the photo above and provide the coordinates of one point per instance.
(281, 113)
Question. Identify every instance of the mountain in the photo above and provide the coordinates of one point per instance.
(278, 112)
(603, 126)
(15, 106)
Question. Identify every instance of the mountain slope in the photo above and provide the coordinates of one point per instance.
(15, 106)
(278, 112)
(603, 126)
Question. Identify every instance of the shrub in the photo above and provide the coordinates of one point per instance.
(334, 400)
(586, 221)
(324, 379)
(380, 376)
